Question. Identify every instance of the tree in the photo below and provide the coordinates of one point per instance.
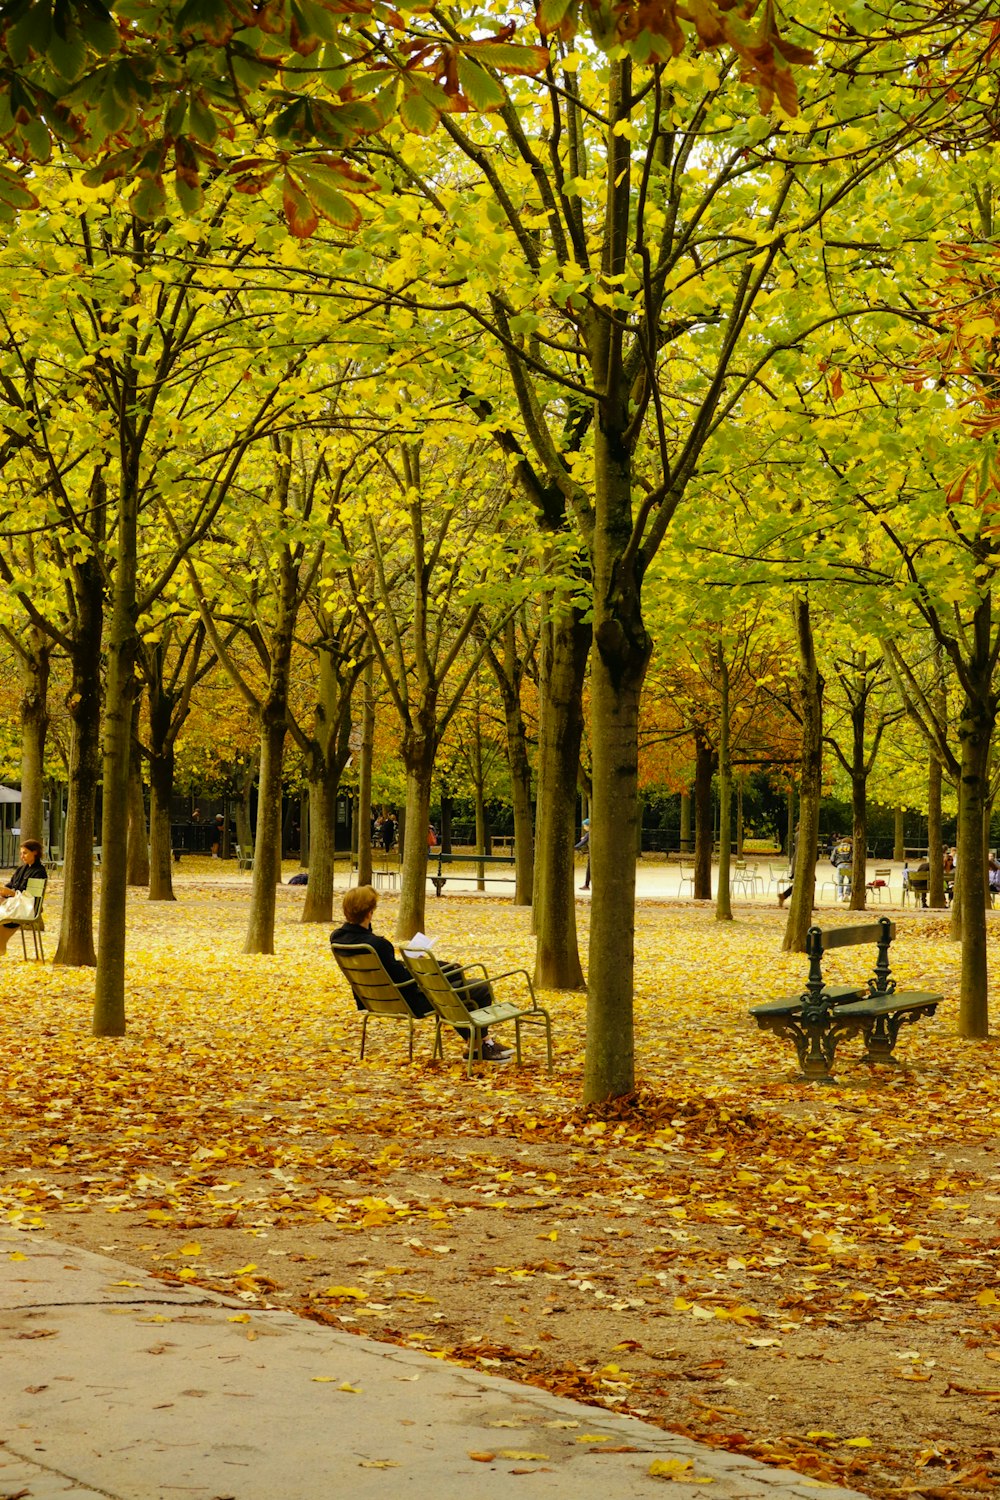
(625, 214)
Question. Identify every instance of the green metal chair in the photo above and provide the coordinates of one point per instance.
(379, 995)
(450, 1009)
(34, 924)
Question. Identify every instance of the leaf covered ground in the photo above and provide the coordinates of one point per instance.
(805, 1274)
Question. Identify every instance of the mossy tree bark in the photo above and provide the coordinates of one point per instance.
(171, 666)
(137, 857)
(810, 708)
(704, 766)
(509, 667)
(326, 749)
(565, 647)
(34, 652)
(365, 757)
(861, 680)
(723, 900)
(120, 689)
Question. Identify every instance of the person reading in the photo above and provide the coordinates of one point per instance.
(356, 931)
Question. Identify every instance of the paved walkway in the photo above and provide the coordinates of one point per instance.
(116, 1387)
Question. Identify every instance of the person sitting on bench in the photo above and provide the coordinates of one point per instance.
(359, 908)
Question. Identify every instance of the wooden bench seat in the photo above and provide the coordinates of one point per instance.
(823, 1015)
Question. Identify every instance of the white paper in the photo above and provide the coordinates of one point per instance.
(419, 943)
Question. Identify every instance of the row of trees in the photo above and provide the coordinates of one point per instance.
(613, 333)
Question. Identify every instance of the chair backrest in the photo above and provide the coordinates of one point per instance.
(434, 986)
(362, 968)
(36, 890)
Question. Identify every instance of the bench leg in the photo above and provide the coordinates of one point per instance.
(438, 882)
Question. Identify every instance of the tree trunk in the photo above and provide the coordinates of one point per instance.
(365, 778)
(122, 650)
(704, 764)
(740, 831)
(267, 845)
(685, 823)
(419, 751)
(328, 754)
(616, 691)
(34, 729)
(76, 928)
(137, 858)
(508, 671)
(859, 793)
(899, 834)
(810, 784)
(935, 845)
(324, 784)
(565, 644)
(975, 730)
(723, 900)
(161, 792)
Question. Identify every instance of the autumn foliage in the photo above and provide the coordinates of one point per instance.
(730, 1253)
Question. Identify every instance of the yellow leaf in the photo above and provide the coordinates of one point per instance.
(346, 1293)
(987, 1298)
(858, 1442)
(194, 1249)
(16, 1255)
(521, 1453)
(322, 1379)
(346, 1385)
(239, 1318)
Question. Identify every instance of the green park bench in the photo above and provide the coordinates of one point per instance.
(476, 860)
(823, 1015)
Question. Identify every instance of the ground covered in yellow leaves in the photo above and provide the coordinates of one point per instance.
(805, 1274)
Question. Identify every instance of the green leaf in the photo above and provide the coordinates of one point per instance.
(150, 201)
(68, 54)
(482, 90)
(201, 121)
(325, 196)
(418, 114)
(30, 34)
(13, 191)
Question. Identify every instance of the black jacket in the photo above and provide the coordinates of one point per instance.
(351, 935)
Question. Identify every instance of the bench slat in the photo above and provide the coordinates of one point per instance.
(889, 1005)
(847, 937)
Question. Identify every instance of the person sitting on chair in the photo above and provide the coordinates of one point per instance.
(30, 868)
(356, 931)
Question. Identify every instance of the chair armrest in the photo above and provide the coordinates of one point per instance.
(510, 974)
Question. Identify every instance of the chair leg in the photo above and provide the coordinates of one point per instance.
(364, 1033)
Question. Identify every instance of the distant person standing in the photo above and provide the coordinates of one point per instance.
(215, 836)
(584, 843)
(388, 832)
(842, 859)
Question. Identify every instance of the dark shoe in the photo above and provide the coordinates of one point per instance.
(493, 1052)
